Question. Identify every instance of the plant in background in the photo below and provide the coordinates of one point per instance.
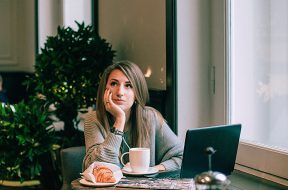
(24, 137)
(67, 73)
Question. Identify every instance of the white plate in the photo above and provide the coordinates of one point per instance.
(128, 171)
(88, 183)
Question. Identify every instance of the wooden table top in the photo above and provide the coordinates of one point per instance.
(140, 183)
(77, 186)
(165, 180)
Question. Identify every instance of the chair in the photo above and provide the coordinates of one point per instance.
(71, 162)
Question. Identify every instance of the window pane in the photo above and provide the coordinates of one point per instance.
(259, 66)
(76, 10)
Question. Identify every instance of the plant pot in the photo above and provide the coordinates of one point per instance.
(11, 183)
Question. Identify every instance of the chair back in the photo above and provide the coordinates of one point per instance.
(71, 161)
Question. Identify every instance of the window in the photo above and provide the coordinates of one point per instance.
(52, 14)
(76, 10)
(258, 88)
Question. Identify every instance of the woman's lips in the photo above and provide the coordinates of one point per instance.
(119, 101)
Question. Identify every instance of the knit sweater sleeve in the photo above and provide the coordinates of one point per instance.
(99, 145)
(169, 148)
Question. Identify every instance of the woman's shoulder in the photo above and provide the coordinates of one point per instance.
(151, 110)
(153, 113)
(91, 114)
(90, 117)
(92, 123)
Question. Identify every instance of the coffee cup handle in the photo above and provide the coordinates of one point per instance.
(121, 159)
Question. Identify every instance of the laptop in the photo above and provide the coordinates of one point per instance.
(224, 139)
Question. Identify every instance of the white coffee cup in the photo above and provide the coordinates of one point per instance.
(139, 159)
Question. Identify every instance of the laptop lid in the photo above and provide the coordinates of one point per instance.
(224, 139)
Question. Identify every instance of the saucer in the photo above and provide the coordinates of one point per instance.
(128, 171)
(88, 183)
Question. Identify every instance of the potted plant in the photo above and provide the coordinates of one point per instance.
(25, 137)
(67, 73)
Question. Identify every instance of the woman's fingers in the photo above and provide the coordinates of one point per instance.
(110, 106)
(106, 96)
(107, 100)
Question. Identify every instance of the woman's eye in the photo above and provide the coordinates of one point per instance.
(113, 83)
(128, 86)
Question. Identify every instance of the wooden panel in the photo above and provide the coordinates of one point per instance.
(8, 37)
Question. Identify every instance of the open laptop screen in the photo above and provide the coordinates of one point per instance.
(224, 139)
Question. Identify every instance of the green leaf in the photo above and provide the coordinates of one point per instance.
(21, 139)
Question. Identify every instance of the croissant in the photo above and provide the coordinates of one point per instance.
(103, 174)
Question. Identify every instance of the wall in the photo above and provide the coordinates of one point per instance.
(17, 39)
(193, 46)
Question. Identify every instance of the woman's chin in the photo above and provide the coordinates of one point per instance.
(124, 108)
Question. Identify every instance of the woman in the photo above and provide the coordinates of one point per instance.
(3, 96)
(123, 120)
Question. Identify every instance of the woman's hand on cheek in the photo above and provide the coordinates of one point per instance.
(111, 107)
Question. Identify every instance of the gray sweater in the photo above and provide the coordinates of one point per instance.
(165, 147)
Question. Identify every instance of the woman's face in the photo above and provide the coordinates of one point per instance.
(122, 91)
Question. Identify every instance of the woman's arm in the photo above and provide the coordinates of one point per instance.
(99, 147)
(169, 149)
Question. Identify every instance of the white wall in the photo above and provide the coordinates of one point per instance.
(193, 46)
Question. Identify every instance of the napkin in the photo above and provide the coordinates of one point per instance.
(88, 173)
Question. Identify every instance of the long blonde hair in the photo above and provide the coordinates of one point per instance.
(140, 115)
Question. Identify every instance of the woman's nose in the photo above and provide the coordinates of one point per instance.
(120, 91)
